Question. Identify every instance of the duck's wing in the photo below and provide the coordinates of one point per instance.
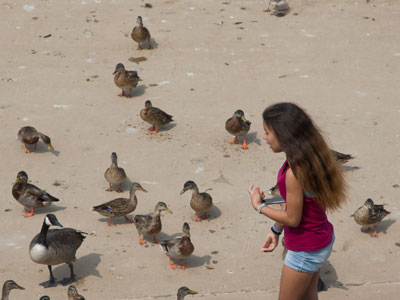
(33, 193)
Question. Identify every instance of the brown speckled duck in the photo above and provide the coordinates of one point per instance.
(7, 287)
(370, 215)
(150, 224)
(29, 195)
(125, 80)
(115, 174)
(141, 34)
(341, 157)
(201, 203)
(237, 125)
(30, 136)
(73, 293)
(178, 248)
(120, 207)
(184, 291)
(154, 116)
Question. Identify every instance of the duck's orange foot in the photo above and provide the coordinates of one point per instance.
(127, 219)
(181, 266)
(374, 234)
(244, 147)
(235, 141)
(110, 223)
(110, 189)
(122, 94)
(28, 151)
(29, 213)
(171, 265)
(198, 219)
(142, 242)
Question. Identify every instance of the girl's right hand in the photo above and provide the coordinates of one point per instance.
(270, 243)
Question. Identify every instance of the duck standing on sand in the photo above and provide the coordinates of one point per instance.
(30, 136)
(125, 80)
(370, 215)
(29, 195)
(7, 287)
(54, 247)
(154, 116)
(178, 248)
(141, 34)
(237, 125)
(201, 203)
(114, 174)
(150, 224)
(120, 207)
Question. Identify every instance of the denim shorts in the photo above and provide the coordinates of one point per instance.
(308, 262)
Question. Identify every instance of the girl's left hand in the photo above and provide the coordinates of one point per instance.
(255, 196)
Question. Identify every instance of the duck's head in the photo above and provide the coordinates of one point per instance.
(183, 291)
(139, 20)
(11, 285)
(47, 141)
(51, 219)
(137, 187)
(189, 185)
(161, 206)
(369, 203)
(148, 104)
(186, 229)
(114, 157)
(44, 298)
(73, 293)
(119, 68)
(21, 177)
(240, 115)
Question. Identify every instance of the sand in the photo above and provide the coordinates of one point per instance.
(339, 60)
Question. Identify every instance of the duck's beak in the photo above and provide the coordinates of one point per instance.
(191, 292)
(16, 181)
(143, 190)
(167, 210)
(19, 287)
(244, 119)
(182, 192)
(79, 297)
(50, 146)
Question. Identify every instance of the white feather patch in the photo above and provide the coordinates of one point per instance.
(38, 253)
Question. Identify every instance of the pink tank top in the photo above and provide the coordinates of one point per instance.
(314, 231)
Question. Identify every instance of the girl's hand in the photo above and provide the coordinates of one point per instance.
(255, 196)
(270, 242)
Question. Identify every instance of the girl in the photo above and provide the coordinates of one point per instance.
(311, 182)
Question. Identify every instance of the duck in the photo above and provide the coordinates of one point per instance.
(114, 174)
(141, 34)
(341, 157)
(201, 203)
(54, 247)
(28, 135)
(370, 215)
(237, 125)
(44, 298)
(154, 116)
(281, 8)
(184, 291)
(125, 80)
(150, 224)
(120, 207)
(8, 286)
(73, 293)
(29, 195)
(178, 248)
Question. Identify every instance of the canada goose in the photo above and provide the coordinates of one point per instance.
(7, 287)
(54, 247)
(73, 293)
(184, 291)
(29, 135)
(44, 298)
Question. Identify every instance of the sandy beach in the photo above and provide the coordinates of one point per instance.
(339, 60)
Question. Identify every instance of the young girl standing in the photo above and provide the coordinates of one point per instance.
(311, 182)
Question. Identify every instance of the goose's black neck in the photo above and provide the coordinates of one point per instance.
(42, 235)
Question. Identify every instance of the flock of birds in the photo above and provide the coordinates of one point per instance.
(56, 246)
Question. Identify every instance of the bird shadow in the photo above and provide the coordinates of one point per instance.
(49, 209)
(251, 137)
(117, 220)
(139, 90)
(329, 276)
(384, 225)
(213, 213)
(84, 266)
(153, 43)
(167, 127)
(166, 237)
(195, 261)
(351, 168)
(42, 148)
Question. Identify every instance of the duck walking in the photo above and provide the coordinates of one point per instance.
(8, 286)
(179, 248)
(120, 207)
(29, 195)
(73, 293)
(150, 224)
(54, 247)
(114, 174)
(184, 291)
(201, 203)
(141, 34)
(125, 80)
(154, 116)
(237, 125)
(30, 136)
(370, 215)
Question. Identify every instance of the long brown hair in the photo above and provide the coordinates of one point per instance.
(307, 153)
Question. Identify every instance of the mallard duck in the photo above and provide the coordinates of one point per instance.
(29, 136)
(237, 125)
(274, 191)
(184, 291)
(341, 157)
(29, 195)
(115, 174)
(154, 116)
(125, 80)
(370, 215)
(141, 34)
(73, 293)
(7, 287)
(281, 8)
(54, 247)
(178, 248)
(44, 298)
(120, 207)
(150, 224)
(201, 203)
